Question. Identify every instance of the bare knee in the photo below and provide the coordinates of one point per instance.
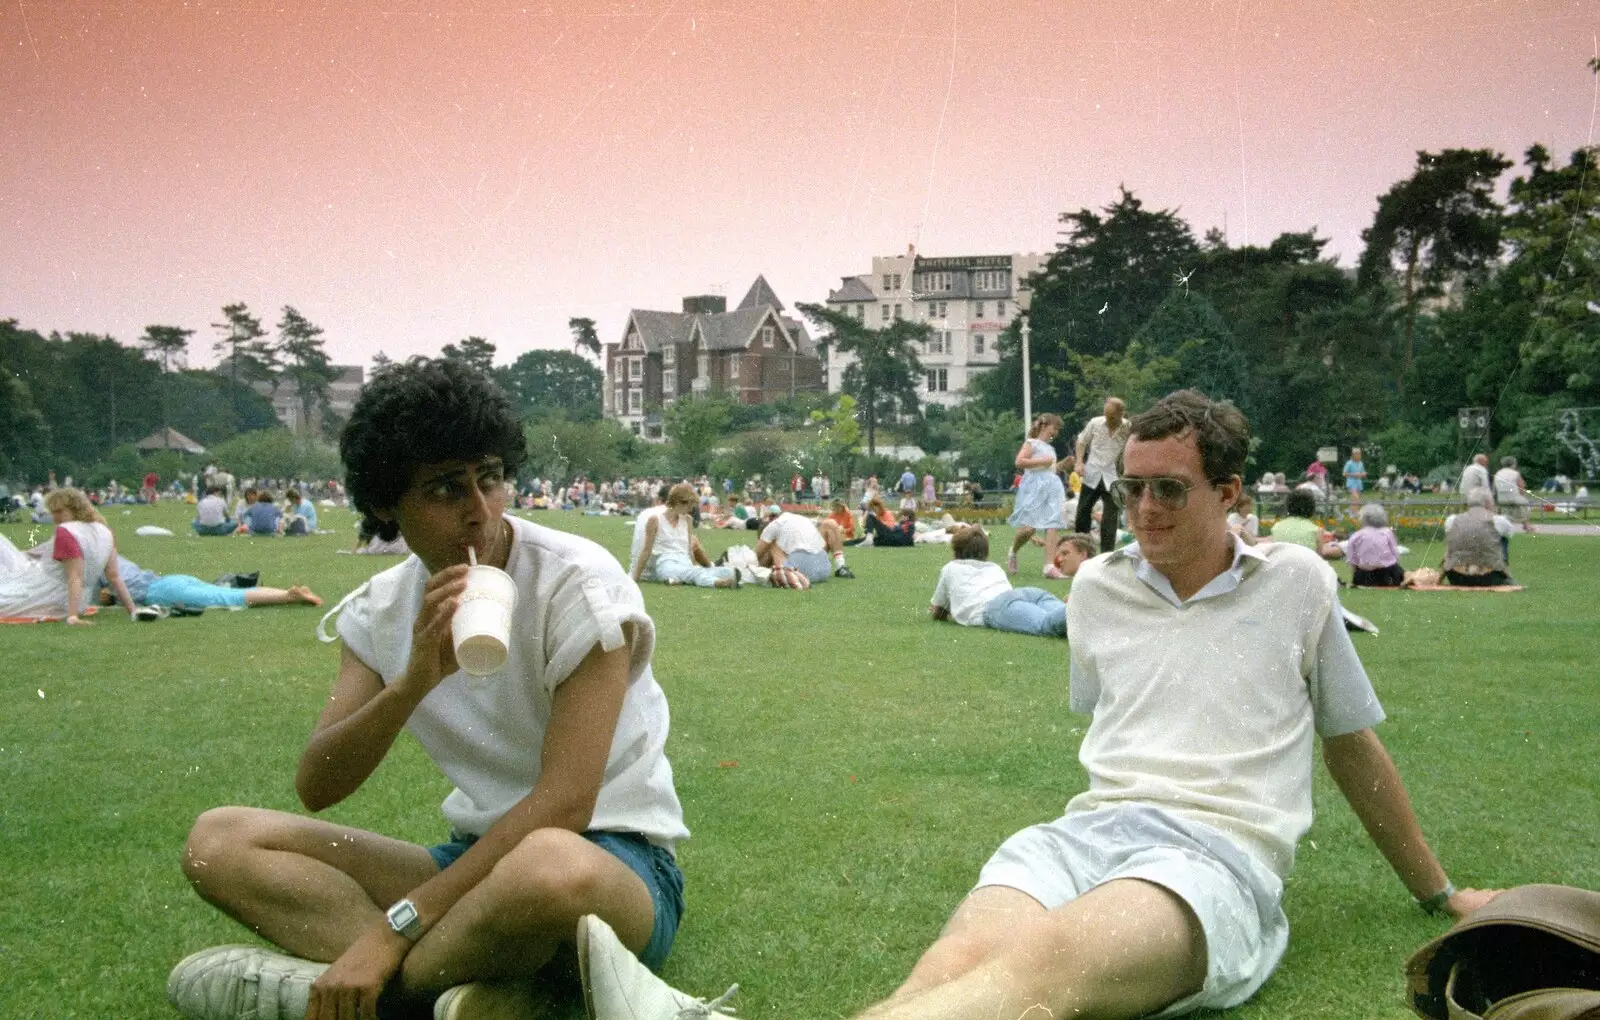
(947, 959)
(219, 840)
(554, 877)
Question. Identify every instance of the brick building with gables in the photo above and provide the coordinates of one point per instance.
(755, 353)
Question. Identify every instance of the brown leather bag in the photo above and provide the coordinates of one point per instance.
(1531, 953)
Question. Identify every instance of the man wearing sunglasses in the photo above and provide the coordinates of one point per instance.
(1209, 668)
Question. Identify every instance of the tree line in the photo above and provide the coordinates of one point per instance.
(1458, 300)
(75, 403)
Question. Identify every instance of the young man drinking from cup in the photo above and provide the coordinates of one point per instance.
(563, 804)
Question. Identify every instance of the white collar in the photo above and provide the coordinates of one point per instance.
(1221, 584)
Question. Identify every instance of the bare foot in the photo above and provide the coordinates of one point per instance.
(300, 593)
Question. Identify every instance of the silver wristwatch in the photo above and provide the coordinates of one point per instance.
(405, 920)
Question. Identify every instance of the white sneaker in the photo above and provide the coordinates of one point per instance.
(238, 982)
(616, 986)
(491, 1000)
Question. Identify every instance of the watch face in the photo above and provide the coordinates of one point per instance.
(403, 917)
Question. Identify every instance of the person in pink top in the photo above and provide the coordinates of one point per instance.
(1372, 551)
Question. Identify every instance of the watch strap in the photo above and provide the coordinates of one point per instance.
(1436, 904)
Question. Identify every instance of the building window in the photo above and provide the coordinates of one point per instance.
(885, 315)
(991, 280)
(931, 283)
(635, 369)
(632, 343)
(733, 368)
(939, 343)
(766, 336)
(669, 381)
(897, 313)
(938, 380)
(977, 343)
(703, 367)
(861, 313)
(669, 355)
(635, 401)
(999, 309)
(977, 310)
(616, 400)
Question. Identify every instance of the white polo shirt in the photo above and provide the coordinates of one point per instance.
(1206, 708)
(487, 734)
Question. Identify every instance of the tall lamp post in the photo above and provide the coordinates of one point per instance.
(1023, 300)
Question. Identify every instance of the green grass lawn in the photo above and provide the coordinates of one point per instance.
(845, 764)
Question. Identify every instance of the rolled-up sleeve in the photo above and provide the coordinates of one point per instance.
(588, 610)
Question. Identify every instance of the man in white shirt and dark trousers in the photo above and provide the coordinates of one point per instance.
(1099, 449)
(1210, 668)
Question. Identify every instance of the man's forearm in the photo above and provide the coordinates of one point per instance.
(340, 757)
(1367, 777)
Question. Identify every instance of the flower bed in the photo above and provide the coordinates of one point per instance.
(979, 515)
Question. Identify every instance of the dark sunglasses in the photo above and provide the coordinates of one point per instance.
(1172, 493)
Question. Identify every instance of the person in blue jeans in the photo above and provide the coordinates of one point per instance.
(977, 593)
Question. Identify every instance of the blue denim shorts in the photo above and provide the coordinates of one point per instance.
(654, 865)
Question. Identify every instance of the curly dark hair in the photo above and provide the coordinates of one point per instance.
(422, 412)
(1300, 503)
(1220, 430)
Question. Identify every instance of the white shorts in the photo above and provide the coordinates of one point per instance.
(1237, 899)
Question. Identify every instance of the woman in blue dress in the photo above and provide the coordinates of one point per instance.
(1041, 498)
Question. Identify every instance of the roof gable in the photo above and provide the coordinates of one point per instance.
(658, 329)
(760, 293)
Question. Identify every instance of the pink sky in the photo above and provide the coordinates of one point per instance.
(412, 172)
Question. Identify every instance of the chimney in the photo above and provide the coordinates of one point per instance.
(705, 304)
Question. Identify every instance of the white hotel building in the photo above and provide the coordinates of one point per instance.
(968, 300)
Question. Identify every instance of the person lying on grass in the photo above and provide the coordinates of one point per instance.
(149, 588)
(1210, 668)
(901, 534)
(977, 593)
(563, 804)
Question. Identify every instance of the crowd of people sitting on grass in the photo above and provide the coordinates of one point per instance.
(255, 513)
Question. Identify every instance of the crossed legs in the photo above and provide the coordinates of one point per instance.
(311, 887)
(1124, 949)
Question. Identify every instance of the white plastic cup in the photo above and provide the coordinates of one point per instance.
(481, 628)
